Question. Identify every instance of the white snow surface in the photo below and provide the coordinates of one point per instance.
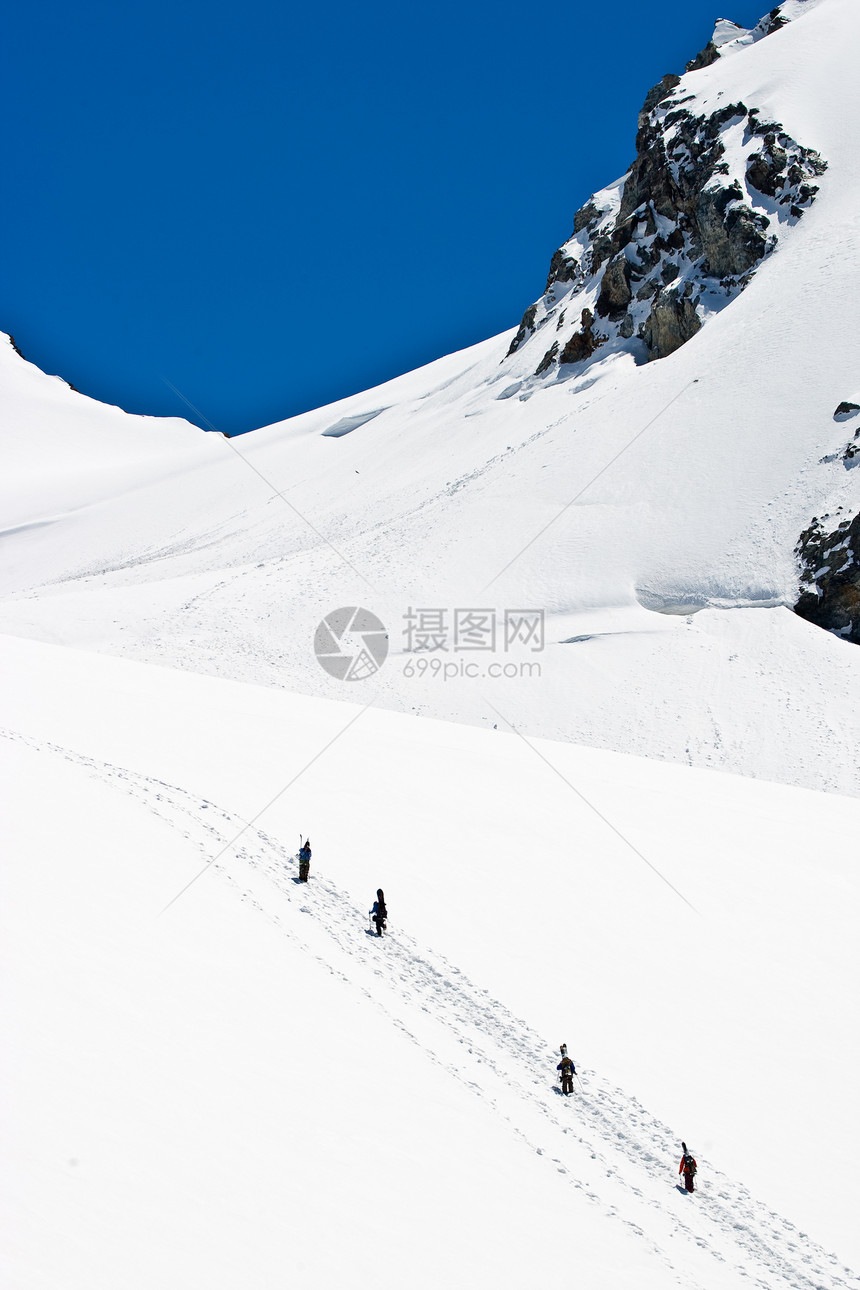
(214, 1076)
(618, 502)
(651, 509)
(729, 37)
(64, 452)
(232, 1083)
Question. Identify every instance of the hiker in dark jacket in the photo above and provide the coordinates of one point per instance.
(568, 1070)
(305, 861)
(687, 1167)
(379, 913)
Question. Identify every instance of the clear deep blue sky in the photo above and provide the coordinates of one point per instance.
(275, 206)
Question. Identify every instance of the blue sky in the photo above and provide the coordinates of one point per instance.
(273, 207)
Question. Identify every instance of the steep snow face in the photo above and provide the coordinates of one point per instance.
(648, 510)
(728, 37)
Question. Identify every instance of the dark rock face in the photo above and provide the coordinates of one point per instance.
(671, 323)
(587, 214)
(830, 577)
(704, 58)
(781, 169)
(772, 22)
(562, 268)
(548, 359)
(766, 170)
(582, 343)
(842, 413)
(678, 237)
(658, 94)
(732, 237)
(615, 294)
(525, 329)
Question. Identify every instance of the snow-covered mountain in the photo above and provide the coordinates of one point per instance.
(678, 237)
(623, 527)
(649, 503)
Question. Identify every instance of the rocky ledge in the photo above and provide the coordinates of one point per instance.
(830, 576)
(653, 256)
(828, 553)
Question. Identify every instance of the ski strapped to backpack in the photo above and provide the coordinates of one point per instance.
(688, 1162)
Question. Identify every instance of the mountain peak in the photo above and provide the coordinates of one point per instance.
(729, 37)
(656, 254)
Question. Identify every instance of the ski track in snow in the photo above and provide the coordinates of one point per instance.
(602, 1141)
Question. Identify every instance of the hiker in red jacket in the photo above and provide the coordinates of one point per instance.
(687, 1167)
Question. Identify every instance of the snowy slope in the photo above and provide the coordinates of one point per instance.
(63, 451)
(649, 509)
(213, 1076)
(237, 1085)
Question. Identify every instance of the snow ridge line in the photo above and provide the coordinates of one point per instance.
(472, 1035)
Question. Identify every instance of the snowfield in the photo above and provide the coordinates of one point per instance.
(238, 1083)
(630, 830)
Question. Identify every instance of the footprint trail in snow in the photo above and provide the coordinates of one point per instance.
(602, 1143)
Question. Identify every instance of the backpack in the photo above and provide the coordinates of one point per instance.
(566, 1066)
(689, 1164)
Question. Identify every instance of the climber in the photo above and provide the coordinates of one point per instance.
(379, 913)
(687, 1167)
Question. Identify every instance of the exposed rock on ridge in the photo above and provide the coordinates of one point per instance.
(828, 553)
(680, 235)
(830, 577)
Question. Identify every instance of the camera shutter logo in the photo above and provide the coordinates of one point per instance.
(351, 644)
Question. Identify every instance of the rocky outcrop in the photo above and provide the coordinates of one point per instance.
(615, 294)
(672, 321)
(733, 237)
(772, 22)
(704, 58)
(587, 214)
(681, 235)
(548, 359)
(582, 343)
(830, 576)
(562, 268)
(526, 327)
(658, 94)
